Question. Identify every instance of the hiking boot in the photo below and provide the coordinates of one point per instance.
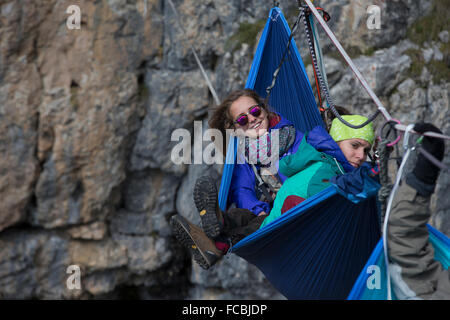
(206, 201)
(203, 248)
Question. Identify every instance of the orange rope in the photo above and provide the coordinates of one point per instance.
(318, 90)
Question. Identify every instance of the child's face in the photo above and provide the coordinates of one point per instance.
(355, 150)
(255, 125)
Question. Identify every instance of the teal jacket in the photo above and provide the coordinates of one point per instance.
(309, 171)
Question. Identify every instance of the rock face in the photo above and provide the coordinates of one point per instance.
(87, 117)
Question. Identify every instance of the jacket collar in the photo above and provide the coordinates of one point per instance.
(282, 123)
(319, 138)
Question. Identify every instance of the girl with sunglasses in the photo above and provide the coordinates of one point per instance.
(245, 111)
(309, 161)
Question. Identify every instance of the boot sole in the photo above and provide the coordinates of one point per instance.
(181, 232)
(205, 198)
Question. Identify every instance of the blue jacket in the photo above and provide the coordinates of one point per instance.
(243, 182)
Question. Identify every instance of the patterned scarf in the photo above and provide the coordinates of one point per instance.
(258, 151)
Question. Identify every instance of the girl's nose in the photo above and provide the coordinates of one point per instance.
(251, 118)
(360, 153)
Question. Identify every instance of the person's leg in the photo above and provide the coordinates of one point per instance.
(291, 202)
(203, 249)
(415, 272)
(443, 288)
(240, 223)
(227, 228)
(206, 201)
(234, 225)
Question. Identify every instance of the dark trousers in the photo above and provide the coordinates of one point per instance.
(239, 223)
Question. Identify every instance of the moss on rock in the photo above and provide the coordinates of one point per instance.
(428, 27)
(425, 31)
(246, 33)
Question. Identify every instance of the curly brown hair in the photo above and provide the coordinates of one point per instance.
(220, 117)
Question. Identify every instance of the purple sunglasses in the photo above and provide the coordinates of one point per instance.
(255, 111)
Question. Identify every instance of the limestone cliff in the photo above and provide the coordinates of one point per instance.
(86, 117)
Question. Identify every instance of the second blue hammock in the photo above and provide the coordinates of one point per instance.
(372, 281)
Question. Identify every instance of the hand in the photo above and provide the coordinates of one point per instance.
(357, 185)
(424, 170)
(352, 182)
(262, 213)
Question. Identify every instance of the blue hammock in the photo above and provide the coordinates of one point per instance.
(366, 289)
(321, 248)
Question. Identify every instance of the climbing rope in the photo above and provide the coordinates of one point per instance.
(391, 200)
(286, 50)
(318, 50)
(319, 94)
(305, 12)
(384, 149)
(384, 152)
(197, 59)
(344, 54)
(330, 34)
(433, 160)
(360, 78)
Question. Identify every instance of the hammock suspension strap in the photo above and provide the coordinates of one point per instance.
(263, 187)
(305, 11)
(318, 51)
(360, 78)
(197, 59)
(384, 152)
(277, 70)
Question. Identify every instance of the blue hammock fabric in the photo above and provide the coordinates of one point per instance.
(372, 283)
(317, 249)
(292, 95)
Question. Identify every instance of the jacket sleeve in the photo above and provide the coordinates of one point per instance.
(242, 190)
